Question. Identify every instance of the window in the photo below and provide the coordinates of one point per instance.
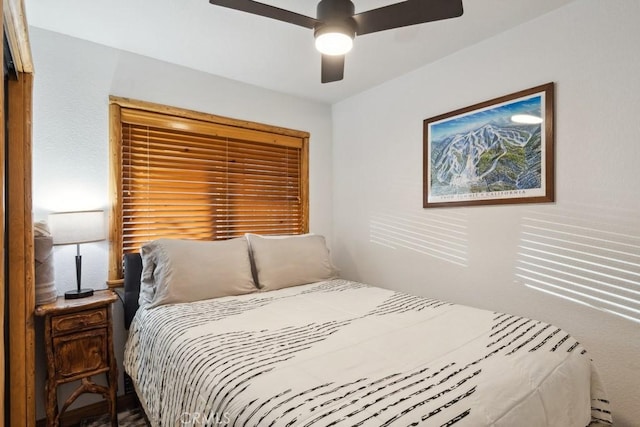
(182, 174)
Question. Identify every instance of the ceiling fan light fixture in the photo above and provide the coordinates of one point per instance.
(334, 43)
(334, 39)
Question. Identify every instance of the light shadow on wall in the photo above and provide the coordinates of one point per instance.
(585, 256)
(441, 235)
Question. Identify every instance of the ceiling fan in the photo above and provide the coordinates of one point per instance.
(337, 23)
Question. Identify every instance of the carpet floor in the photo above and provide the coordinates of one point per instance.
(129, 418)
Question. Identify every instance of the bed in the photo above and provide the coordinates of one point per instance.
(334, 352)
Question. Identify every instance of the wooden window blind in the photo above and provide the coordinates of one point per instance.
(191, 175)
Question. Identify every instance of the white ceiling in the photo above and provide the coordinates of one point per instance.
(269, 53)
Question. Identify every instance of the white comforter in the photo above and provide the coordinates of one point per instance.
(346, 354)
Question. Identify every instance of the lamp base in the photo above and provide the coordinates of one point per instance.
(79, 293)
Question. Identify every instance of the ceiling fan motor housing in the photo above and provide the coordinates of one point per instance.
(335, 15)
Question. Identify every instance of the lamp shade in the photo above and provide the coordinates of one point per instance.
(77, 227)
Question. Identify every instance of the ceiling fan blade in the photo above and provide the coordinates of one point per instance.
(268, 11)
(332, 68)
(406, 13)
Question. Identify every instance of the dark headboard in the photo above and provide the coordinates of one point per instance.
(132, 274)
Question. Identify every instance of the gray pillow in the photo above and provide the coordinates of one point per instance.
(176, 271)
(283, 261)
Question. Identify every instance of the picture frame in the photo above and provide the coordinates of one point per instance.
(496, 152)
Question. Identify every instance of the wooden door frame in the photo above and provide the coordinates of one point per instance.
(20, 269)
(19, 243)
(2, 238)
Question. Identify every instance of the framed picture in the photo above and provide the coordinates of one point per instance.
(496, 152)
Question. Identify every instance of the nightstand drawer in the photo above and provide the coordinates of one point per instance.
(78, 321)
(79, 354)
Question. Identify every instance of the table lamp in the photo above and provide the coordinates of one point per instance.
(69, 228)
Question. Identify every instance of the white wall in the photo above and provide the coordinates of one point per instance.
(73, 81)
(483, 256)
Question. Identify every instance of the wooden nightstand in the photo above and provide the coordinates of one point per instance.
(79, 344)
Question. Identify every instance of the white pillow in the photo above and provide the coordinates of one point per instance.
(283, 261)
(176, 271)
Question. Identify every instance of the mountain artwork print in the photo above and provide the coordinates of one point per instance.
(495, 152)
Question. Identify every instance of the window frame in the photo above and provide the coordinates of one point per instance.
(274, 134)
